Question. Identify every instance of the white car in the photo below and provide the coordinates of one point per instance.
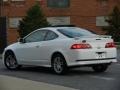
(61, 48)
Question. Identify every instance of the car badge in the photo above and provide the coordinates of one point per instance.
(98, 47)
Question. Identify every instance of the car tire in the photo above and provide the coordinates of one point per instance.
(59, 65)
(11, 62)
(100, 68)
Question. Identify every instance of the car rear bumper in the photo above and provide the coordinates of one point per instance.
(93, 62)
(91, 56)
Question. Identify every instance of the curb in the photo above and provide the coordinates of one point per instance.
(23, 84)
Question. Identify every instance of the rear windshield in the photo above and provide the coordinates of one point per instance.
(75, 32)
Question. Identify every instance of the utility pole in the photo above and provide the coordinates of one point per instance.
(1, 8)
(3, 27)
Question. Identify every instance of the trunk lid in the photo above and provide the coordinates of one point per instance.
(98, 41)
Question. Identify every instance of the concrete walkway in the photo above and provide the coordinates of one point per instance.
(12, 83)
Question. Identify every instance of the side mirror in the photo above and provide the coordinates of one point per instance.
(21, 40)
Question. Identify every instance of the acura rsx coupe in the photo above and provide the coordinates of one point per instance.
(61, 48)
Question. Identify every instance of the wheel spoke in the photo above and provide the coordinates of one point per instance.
(11, 62)
(58, 64)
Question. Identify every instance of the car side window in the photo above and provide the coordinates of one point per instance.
(36, 36)
(51, 35)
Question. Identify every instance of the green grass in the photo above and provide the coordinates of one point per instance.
(117, 44)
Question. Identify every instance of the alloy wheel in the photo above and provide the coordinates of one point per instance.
(10, 62)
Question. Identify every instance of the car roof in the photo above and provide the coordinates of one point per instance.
(55, 28)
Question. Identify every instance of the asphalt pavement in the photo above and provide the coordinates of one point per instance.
(79, 78)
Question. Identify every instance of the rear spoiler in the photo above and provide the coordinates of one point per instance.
(104, 36)
(96, 36)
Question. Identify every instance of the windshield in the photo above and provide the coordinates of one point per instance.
(75, 32)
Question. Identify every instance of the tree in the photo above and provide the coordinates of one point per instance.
(33, 20)
(114, 24)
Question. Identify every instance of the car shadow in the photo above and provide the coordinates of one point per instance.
(44, 70)
(83, 71)
(35, 69)
(71, 72)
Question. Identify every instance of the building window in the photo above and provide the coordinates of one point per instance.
(17, 0)
(101, 21)
(14, 22)
(59, 20)
(103, 2)
(58, 3)
(18, 3)
(5, 0)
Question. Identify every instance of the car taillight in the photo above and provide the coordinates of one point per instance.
(110, 45)
(81, 46)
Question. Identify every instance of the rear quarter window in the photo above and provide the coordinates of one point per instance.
(51, 35)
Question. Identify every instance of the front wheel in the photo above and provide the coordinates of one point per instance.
(11, 62)
(100, 68)
(59, 65)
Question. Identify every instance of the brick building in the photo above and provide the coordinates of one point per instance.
(89, 14)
